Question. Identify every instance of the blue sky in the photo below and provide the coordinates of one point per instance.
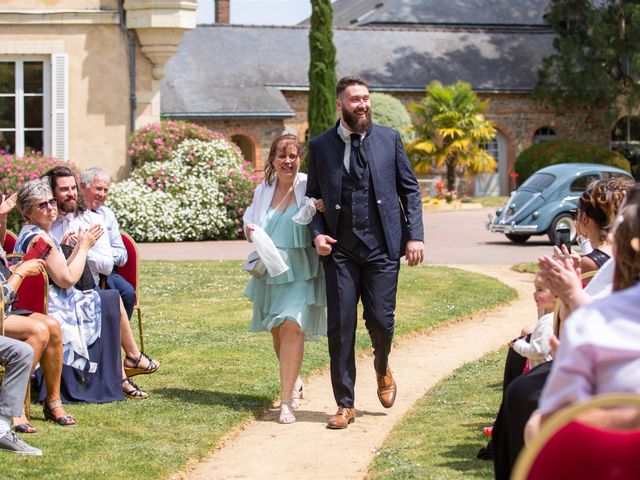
(259, 12)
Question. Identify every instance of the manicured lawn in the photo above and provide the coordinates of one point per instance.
(440, 437)
(214, 374)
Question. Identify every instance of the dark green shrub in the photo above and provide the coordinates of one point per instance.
(553, 152)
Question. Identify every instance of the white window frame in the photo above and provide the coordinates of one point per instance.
(19, 94)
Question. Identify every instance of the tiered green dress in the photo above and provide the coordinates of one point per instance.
(297, 294)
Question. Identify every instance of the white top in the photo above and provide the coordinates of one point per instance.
(263, 195)
(599, 352)
(537, 349)
(99, 258)
(110, 223)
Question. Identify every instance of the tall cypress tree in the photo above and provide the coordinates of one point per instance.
(322, 69)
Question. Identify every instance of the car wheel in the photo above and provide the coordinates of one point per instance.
(565, 218)
(515, 238)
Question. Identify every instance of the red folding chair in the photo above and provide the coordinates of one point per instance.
(33, 295)
(9, 241)
(569, 448)
(130, 271)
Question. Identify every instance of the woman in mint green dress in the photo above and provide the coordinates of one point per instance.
(292, 305)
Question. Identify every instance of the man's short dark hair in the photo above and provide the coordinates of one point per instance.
(61, 171)
(347, 81)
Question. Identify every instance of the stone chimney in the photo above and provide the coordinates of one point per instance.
(222, 11)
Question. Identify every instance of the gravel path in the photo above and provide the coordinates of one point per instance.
(265, 449)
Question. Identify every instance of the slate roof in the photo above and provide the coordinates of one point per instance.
(487, 13)
(238, 71)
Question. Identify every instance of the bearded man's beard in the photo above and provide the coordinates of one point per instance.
(69, 206)
(356, 123)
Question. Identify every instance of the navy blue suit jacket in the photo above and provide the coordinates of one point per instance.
(395, 186)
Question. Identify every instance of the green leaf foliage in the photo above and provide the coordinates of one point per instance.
(596, 59)
(388, 111)
(553, 152)
(451, 131)
(322, 68)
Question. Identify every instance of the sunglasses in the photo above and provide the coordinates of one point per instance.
(48, 204)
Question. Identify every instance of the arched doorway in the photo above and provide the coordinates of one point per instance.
(497, 183)
(246, 146)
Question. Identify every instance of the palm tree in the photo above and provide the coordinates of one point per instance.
(451, 131)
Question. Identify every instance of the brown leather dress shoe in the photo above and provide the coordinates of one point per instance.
(386, 389)
(342, 418)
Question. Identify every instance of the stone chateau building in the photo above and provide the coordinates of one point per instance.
(250, 82)
(76, 76)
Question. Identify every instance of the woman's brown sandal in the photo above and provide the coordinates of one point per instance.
(136, 369)
(64, 421)
(134, 392)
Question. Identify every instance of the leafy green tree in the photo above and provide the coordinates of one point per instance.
(451, 131)
(596, 59)
(388, 111)
(322, 68)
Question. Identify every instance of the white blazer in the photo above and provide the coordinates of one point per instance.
(264, 194)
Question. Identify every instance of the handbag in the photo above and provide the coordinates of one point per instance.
(254, 265)
(85, 282)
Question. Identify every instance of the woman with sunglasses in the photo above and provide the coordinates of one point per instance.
(90, 336)
(41, 332)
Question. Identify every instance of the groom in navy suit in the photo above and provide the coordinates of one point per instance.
(373, 216)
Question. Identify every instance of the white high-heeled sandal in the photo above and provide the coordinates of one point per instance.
(286, 412)
(297, 394)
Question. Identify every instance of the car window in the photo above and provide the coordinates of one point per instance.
(580, 184)
(539, 181)
(609, 175)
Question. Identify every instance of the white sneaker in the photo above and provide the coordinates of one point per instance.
(12, 444)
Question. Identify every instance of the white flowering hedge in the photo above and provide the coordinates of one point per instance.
(201, 193)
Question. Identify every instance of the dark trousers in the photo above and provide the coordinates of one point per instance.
(350, 276)
(127, 293)
(519, 402)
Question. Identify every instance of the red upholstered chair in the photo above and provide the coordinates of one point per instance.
(130, 271)
(33, 295)
(567, 448)
(9, 241)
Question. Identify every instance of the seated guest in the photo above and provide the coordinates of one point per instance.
(94, 188)
(73, 216)
(91, 370)
(41, 332)
(16, 358)
(596, 212)
(521, 397)
(600, 347)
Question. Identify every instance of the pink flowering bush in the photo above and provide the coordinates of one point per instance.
(156, 142)
(14, 171)
(200, 193)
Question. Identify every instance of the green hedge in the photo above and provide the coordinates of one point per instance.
(388, 111)
(564, 151)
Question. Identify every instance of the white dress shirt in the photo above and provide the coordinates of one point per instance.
(110, 223)
(99, 258)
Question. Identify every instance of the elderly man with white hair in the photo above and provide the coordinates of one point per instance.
(94, 187)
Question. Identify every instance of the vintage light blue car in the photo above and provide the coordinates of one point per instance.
(547, 198)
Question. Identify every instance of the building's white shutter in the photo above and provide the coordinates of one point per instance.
(59, 106)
